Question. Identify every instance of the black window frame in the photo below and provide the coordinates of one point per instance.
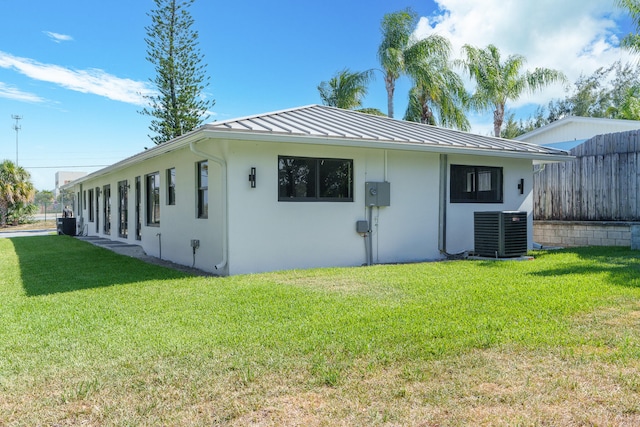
(467, 182)
(138, 209)
(171, 186)
(97, 209)
(90, 205)
(202, 196)
(318, 187)
(152, 205)
(106, 209)
(123, 208)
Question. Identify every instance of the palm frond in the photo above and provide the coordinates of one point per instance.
(345, 89)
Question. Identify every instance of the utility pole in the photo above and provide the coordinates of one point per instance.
(17, 128)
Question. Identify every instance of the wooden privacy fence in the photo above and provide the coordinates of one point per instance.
(600, 184)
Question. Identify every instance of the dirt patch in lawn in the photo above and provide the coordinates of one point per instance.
(49, 224)
(485, 388)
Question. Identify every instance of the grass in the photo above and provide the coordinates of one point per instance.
(90, 337)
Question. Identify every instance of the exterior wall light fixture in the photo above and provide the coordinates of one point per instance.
(252, 177)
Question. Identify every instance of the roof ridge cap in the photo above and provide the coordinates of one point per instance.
(255, 116)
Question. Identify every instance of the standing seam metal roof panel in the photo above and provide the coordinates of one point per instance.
(330, 122)
(371, 129)
(311, 128)
(346, 127)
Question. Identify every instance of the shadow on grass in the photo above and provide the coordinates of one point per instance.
(53, 264)
(622, 265)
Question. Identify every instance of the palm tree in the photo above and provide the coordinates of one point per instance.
(632, 40)
(373, 111)
(399, 51)
(629, 108)
(346, 89)
(438, 96)
(15, 188)
(498, 82)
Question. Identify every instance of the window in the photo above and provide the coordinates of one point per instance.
(203, 189)
(90, 207)
(138, 196)
(153, 198)
(171, 186)
(476, 184)
(107, 209)
(123, 209)
(311, 179)
(97, 209)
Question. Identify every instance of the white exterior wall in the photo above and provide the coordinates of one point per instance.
(178, 223)
(266, 235)
(460, 215)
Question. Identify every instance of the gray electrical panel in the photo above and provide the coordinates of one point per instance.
(377, 194)
(362, 226)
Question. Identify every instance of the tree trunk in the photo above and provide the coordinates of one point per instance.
(425, 113)
(3, 212)
(498, 118)
(391, 86)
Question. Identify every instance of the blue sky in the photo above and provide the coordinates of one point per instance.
(74, 69)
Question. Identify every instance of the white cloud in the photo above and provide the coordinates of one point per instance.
(573, 36)
(57, 37)
(10, 92)
(93, 81)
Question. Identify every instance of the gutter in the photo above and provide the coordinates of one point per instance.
(225, 198)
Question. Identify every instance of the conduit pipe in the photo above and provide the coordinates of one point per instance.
(370, 254)
(385, 165)
(225, 200)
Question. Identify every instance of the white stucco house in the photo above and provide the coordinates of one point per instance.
(571, 131)
(65, 177)
(293, 189)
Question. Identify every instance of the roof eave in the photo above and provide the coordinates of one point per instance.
(377, 144)
(214, 133)
(158, 150)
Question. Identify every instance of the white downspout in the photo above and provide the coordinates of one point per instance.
(442, 202)
(225, 225)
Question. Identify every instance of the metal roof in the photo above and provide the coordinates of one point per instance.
(316, 121)
(317, 124)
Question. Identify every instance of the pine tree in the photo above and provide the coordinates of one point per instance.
(178, 106)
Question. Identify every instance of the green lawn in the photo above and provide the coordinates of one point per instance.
(88, 337)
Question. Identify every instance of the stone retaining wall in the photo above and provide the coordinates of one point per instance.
(587, 233)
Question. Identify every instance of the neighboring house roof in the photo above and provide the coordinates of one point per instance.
(565, 145)
(569, 131)
(316, 124)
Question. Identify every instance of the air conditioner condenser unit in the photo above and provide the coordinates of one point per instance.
(500, 234)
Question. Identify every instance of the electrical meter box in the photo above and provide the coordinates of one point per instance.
(377, 194)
